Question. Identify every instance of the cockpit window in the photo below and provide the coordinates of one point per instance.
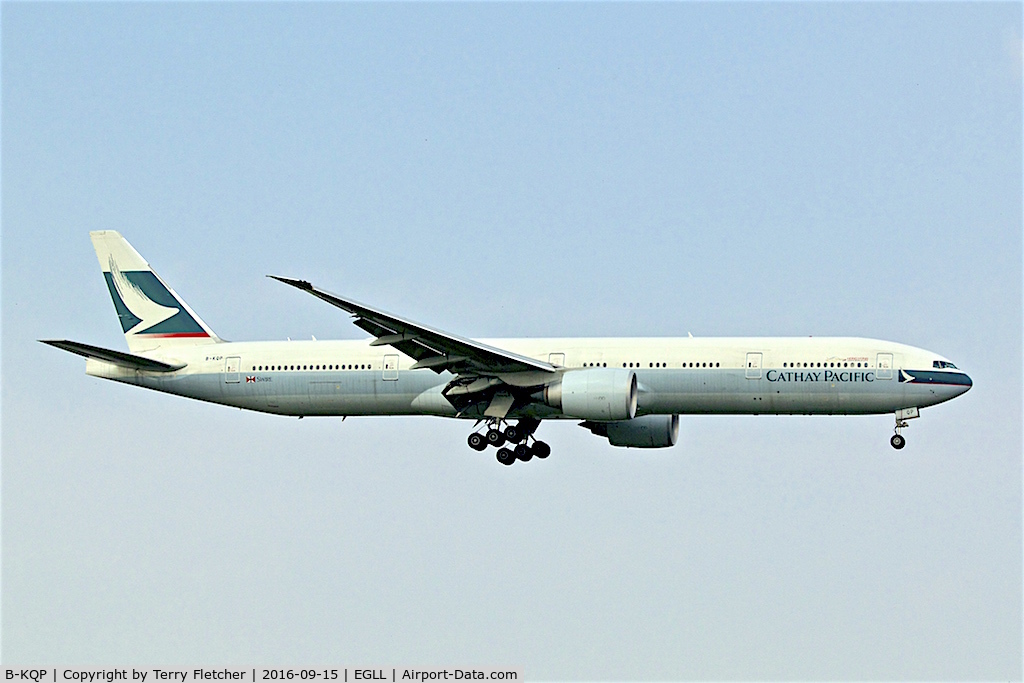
(943, 364)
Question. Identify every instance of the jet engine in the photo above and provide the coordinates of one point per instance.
(597, 394)
(649, 431)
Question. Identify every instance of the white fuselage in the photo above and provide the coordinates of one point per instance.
(756, 375)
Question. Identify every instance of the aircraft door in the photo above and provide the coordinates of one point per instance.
(390, 366)
(754, 365)
(557, 359)
(884, 366)
(231, 366)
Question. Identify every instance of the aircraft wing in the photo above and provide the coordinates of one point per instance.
(432, 348)
(125, 360)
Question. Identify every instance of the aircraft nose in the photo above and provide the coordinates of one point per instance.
(963, 384)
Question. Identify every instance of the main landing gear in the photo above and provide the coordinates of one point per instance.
(519, 434)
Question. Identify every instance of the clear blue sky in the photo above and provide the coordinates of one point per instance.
(516, 170)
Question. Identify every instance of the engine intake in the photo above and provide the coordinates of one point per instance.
(598, 394)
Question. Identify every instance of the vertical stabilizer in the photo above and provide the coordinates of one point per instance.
(151, 314)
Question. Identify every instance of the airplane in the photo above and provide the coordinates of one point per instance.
(630, 391)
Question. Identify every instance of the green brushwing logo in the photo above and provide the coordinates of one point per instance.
(145, 306)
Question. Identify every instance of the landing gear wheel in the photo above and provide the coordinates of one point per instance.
(541, 449)
(505, 456)
(495, 438)
(513, 434)
(897, 441)
(523, 452)
(477, 441)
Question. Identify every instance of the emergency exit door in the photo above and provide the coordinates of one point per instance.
(884, 369)
(390, 366)
(231, 366)
(754, 365)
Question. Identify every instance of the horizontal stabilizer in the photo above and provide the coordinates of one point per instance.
(124, 360)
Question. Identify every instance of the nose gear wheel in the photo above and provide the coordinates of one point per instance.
(898, 441)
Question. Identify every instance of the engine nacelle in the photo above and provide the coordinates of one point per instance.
(649, 431)
(598, 394)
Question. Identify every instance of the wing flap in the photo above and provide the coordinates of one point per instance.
(119, 358)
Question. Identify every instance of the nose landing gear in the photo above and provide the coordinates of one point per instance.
(520, 434)
(897, 441)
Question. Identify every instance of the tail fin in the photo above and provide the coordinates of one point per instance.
(151, 314)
